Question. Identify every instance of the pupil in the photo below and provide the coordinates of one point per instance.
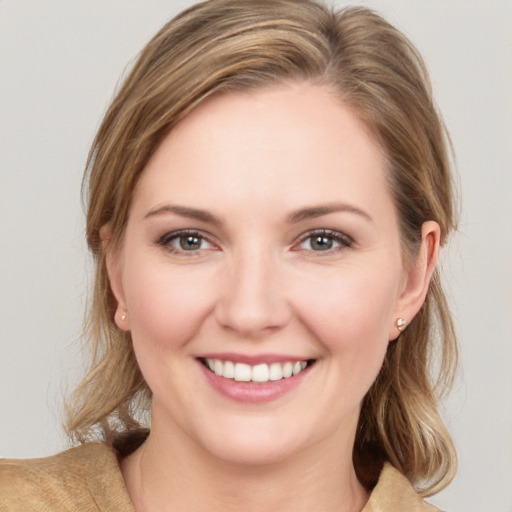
(321, 243)
(190, 242)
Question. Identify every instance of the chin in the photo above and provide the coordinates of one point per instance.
(256, 443)
(253, 453)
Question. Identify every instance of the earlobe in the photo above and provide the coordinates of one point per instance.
(121, 319)
(400, 324)
(113, 266)
(418, 277)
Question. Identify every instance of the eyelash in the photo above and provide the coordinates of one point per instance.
(342, 239)
(167, 239)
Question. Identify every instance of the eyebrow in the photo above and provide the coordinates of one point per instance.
(185, 211)
(313, 212)
(300, 215)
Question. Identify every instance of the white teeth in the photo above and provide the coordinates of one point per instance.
(276, 372)
(287, 370)
(229, 370)
(262, 372)
(242, 372)
(218, 367)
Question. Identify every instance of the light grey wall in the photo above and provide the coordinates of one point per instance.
(59, 64)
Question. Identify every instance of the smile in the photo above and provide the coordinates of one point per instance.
(261, 373)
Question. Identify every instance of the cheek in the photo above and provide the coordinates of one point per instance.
(165, 305)
(350, 315)
(349, 301)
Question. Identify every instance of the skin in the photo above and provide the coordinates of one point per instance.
(269, 166)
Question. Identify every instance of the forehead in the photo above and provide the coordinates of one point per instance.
(293, 143)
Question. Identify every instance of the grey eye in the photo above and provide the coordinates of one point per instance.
(189, 242)
(325, 240)
(185, 241)
(321, 243)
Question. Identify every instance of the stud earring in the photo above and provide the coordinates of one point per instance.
(123, 317)
(400, 324)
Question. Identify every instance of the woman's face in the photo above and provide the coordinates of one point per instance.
(262, 240)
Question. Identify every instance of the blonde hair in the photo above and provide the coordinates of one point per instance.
(224, 45)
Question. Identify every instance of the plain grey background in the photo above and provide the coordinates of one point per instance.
(59, 64)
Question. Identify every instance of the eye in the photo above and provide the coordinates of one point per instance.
(185, 241)
(325, 241)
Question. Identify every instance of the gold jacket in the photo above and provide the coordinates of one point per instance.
(88, 479)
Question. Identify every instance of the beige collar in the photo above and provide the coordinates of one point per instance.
(89, 478)
(394, 493)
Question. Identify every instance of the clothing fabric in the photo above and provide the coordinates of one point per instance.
(88, 479)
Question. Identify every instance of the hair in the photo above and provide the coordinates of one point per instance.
(231, 45)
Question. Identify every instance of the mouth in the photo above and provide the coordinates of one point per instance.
(258, 373)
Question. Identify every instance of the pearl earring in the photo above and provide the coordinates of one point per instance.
(123, 317)
(400, 324)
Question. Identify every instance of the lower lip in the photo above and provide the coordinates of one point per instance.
(253, 392)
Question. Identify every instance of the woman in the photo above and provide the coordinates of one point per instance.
(268, 193)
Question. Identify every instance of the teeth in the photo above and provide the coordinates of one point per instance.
(276, 372)
(242, 372)
(287, 370)
(258, 373)
(218, 367)
(229, 370)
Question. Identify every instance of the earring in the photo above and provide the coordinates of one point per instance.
(123, 317)
(400, 324)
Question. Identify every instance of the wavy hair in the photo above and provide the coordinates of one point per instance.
(231, 45)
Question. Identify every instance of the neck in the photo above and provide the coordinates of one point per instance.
(174, 474)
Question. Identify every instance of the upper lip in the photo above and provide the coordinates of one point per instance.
(253, 359)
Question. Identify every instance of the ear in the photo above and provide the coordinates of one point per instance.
(113, 263)
(417, 277)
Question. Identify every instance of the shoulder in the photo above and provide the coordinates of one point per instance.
(394, 492)
(84, 478)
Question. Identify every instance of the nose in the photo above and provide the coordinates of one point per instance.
(253, 300)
